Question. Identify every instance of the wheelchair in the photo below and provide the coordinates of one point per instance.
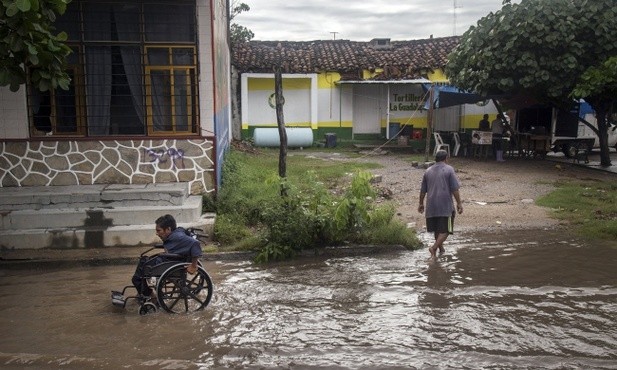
(177, 291)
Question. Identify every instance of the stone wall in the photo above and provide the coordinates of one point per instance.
(80, 162)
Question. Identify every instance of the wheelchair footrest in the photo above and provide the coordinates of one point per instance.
(117, 298)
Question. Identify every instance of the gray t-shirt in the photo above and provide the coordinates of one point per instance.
(438, 182)
(497, 126)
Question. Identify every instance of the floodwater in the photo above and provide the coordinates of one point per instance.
(537, 300)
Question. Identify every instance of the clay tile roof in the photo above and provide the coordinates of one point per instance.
(399, 60)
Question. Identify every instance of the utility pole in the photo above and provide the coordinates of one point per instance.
(333, 35)
(454, 7)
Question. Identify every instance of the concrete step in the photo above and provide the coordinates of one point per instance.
(92, 237)
(85, 196)
(102, 217)
(94, 216)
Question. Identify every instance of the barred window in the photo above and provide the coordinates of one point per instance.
(133, 71)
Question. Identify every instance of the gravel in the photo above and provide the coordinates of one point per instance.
(495, 195)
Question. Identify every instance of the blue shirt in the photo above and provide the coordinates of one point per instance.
(439, 182)
(179, 243)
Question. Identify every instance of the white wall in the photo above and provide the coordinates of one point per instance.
(335, 105)
(13, 114)
(297, 104)
(206, 77)
(301, 105)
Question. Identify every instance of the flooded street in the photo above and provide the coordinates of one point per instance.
(512, 300)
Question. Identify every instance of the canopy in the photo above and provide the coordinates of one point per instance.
(448, 96)
(383, 82)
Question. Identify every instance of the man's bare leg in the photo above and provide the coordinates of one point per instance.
(439, 240)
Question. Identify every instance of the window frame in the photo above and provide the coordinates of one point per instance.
(79, 44)
(191, 97)
(79, 103)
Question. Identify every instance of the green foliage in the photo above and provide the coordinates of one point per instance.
(537, 47)
(208, 203)
(598, 80)
(591, 208)
(27, 42)
(598, 85)
(314, 213)
(352, 212)
(274, 252)
(230, 228)
(239, 33)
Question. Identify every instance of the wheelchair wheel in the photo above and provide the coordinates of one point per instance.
(181, 292)
(147, 308)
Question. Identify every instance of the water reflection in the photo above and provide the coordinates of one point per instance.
(533, 300)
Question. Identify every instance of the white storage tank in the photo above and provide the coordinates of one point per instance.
(296, 137)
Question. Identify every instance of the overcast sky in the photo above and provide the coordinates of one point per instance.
(363, 20)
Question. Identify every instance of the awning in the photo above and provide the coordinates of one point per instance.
(378, 82)
(448, 96)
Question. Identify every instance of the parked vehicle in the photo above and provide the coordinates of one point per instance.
(567, 133)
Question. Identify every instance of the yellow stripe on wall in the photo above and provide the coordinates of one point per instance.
(367, 75)
(471, 121)
(437, 76)
(274, 124)
(327, 80)
(288, 84)
(343, 124)
(418, 122)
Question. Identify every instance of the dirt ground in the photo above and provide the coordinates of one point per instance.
(495, 195)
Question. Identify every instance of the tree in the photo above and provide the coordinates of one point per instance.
(280, 123)
(239, 33)
(27, 43)
(537, 49)
(598, 86)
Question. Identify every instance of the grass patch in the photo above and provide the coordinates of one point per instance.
(590, 207)
(326, 203)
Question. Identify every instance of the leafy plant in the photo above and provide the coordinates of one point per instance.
(239, 33)
(28, 42)
(312, 214)
(538, 49)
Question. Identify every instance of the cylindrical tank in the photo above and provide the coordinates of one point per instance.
(296, 137)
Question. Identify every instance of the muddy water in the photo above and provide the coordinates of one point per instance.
(516, 300)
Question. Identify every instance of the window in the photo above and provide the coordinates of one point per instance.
(133, 71)
(59, 112)
(170, 84)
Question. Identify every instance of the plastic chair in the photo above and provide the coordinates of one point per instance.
(439, 144)
(457, 143)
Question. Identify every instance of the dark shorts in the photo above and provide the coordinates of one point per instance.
(440, 225)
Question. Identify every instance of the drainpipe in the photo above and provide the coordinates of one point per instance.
(388, 113)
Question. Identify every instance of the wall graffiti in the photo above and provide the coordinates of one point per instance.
(161, 156)
(66, 162)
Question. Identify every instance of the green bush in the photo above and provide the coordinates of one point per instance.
(282, 216)
(230, 228)
(208, 204)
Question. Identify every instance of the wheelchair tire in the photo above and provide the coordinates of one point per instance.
(147, 308)
(180, 292)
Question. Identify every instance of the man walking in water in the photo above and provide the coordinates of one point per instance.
(439, 185)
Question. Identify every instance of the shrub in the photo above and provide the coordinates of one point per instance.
(308, 215)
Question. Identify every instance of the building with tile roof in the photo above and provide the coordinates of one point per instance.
(351, 88)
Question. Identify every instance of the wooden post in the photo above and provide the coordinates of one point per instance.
(429, 123)
(280, 121)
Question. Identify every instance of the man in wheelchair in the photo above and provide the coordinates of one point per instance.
(176, 242)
